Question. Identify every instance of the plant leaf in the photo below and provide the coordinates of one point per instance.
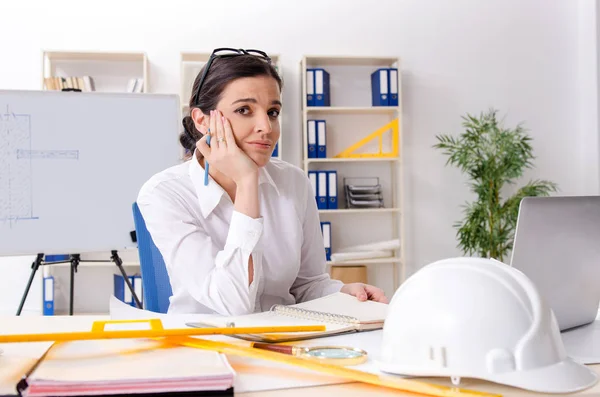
(491, 156)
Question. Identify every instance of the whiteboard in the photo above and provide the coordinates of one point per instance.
(72, 164)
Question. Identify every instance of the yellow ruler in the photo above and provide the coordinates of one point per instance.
(393, 125)
(408, 385)
(156, 331)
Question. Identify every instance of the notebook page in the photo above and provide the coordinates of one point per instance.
(269, 318)
(347, 305)
(128, 359)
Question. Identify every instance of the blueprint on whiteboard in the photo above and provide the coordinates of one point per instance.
(72, 164)
(15, 173)
(16, 155)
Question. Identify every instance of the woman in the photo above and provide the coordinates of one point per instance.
(248, 236)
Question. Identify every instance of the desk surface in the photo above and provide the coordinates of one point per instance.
(362, 389)
(17, 358)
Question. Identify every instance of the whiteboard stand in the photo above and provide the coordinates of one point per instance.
(60, 160)
(75, 261)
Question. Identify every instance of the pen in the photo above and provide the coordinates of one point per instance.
(285, 349)
(22, 384)
(206, 162)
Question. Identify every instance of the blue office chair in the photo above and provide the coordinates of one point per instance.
(155, 279)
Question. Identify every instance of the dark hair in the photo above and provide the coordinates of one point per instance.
(222, 72)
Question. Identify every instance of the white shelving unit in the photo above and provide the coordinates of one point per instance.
(351, 118)
(191, 64)
(111, 71)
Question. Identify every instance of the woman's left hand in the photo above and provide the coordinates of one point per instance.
(364, 292)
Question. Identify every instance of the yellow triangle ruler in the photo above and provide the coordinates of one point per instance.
(393, 126)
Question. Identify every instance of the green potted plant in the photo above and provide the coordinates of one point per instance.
(492, 157)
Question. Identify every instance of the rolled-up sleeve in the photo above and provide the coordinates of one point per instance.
(219, 282)
(312, 281)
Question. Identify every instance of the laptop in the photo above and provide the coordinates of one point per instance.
(557, 245)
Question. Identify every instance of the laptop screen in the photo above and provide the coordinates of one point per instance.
(557, 245)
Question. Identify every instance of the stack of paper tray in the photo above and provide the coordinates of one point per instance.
(381, 249)
(363, 192)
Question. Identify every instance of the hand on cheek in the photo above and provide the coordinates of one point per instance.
(223, 153)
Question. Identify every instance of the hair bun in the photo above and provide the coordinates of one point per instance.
(188, 137)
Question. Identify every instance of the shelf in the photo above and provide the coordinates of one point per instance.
(351, 159)
(350, 61)
(359, 211)
(352, 110)
(193, 57)
(109, 71)
(95, 56)
(365, 262)
(190, 65)
(349, 119)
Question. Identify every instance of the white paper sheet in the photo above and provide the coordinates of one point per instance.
(123, 311)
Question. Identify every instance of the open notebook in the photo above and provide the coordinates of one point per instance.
(339, 312)
(128, 366)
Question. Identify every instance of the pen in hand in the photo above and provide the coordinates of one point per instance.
(206, 162)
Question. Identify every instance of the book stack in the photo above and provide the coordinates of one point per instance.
(317, 87)
(121, 367)
(363, 193)
(384, 87)
(135, 85)
(326, 231)
(324, 184)
(70, 83)
(122, 292)
(317, 139)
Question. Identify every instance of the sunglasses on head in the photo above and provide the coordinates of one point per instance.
(226, 53)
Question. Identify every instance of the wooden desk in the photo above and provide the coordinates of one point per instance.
(17, 358)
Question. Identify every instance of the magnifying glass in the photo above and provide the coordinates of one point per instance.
(339, 355)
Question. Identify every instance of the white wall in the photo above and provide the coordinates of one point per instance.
(534, 60)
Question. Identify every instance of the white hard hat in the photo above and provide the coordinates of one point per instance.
(478, 318)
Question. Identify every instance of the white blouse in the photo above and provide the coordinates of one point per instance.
(206, 244)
